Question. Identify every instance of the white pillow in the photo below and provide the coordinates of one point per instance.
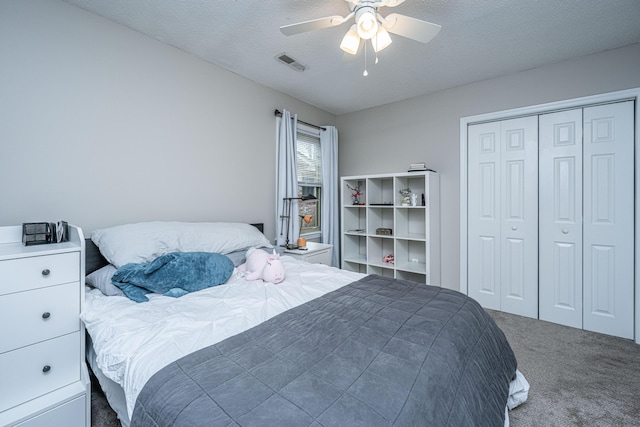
(101, 279)
(237, 257)
(145, 241)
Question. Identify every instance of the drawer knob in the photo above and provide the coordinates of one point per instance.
(46, 315)
(46, 272)
(46, 368)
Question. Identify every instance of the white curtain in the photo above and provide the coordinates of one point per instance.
(286, 179)
(330, 196)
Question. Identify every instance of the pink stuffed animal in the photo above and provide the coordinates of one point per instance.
(262, 265)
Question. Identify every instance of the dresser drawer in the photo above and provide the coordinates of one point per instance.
(22, 274)
(69, 414)
(39, 315)
(35, 370)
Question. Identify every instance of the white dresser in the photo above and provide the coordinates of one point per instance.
(43, 378)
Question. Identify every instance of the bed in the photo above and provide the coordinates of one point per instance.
(324, 347)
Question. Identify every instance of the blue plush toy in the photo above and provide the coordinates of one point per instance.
(174, 274)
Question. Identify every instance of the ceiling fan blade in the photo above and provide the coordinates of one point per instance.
(411, 28)
(314, 24)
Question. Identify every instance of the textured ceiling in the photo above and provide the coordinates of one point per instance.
(480, 39)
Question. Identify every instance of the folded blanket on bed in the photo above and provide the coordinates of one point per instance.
(174, 274)
(377, 352)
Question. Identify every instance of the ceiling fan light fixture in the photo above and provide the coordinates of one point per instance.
(381, 39)
(370, 25)
(351, 41)
(366, 22)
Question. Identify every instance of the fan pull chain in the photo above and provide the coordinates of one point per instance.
(366, 73)
(376, 36)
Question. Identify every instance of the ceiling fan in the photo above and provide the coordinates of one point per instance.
(369, 25)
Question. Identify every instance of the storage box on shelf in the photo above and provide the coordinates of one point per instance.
(45, 381)
(386, 235)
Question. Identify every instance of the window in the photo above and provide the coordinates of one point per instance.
(309, 163)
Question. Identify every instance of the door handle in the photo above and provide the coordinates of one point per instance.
(565, 231)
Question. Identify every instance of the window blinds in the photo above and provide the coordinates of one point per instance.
(309, 159)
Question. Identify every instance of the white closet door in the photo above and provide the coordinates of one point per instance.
(484, 214)
(608, 219)
(560, 217)
(519, 206)
(503, 215)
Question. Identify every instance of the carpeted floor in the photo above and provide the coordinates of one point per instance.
(577, 378)
(101, 413)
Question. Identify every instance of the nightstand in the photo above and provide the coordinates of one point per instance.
(316, 253)
(45, 381)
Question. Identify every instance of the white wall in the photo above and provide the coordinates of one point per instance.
(100, 125)
(427, 128)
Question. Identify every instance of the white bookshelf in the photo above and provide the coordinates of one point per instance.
(415, 239)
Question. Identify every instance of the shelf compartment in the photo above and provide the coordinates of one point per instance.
(355, 218)
(377, 248)
(347, 193)
(381, 271)
(415, 183)
(411, 223)
(411, 256)
(380, 217)
(354, 267)
(380, 190)
(355, 248)
(414, 277)
(412, 267)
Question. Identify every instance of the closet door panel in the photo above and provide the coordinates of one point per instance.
(609, 219)
(519, 213)
(514, 268)
(560, 217)
(484, 214)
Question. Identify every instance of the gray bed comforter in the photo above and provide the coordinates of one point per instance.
(376, 352)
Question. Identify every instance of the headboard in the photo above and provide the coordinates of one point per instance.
(94, 259)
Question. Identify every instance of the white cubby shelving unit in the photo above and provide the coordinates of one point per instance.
(414, 241)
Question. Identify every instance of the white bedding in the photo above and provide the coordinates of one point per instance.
(135, 340)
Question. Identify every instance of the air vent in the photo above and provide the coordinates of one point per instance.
(290, 62)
